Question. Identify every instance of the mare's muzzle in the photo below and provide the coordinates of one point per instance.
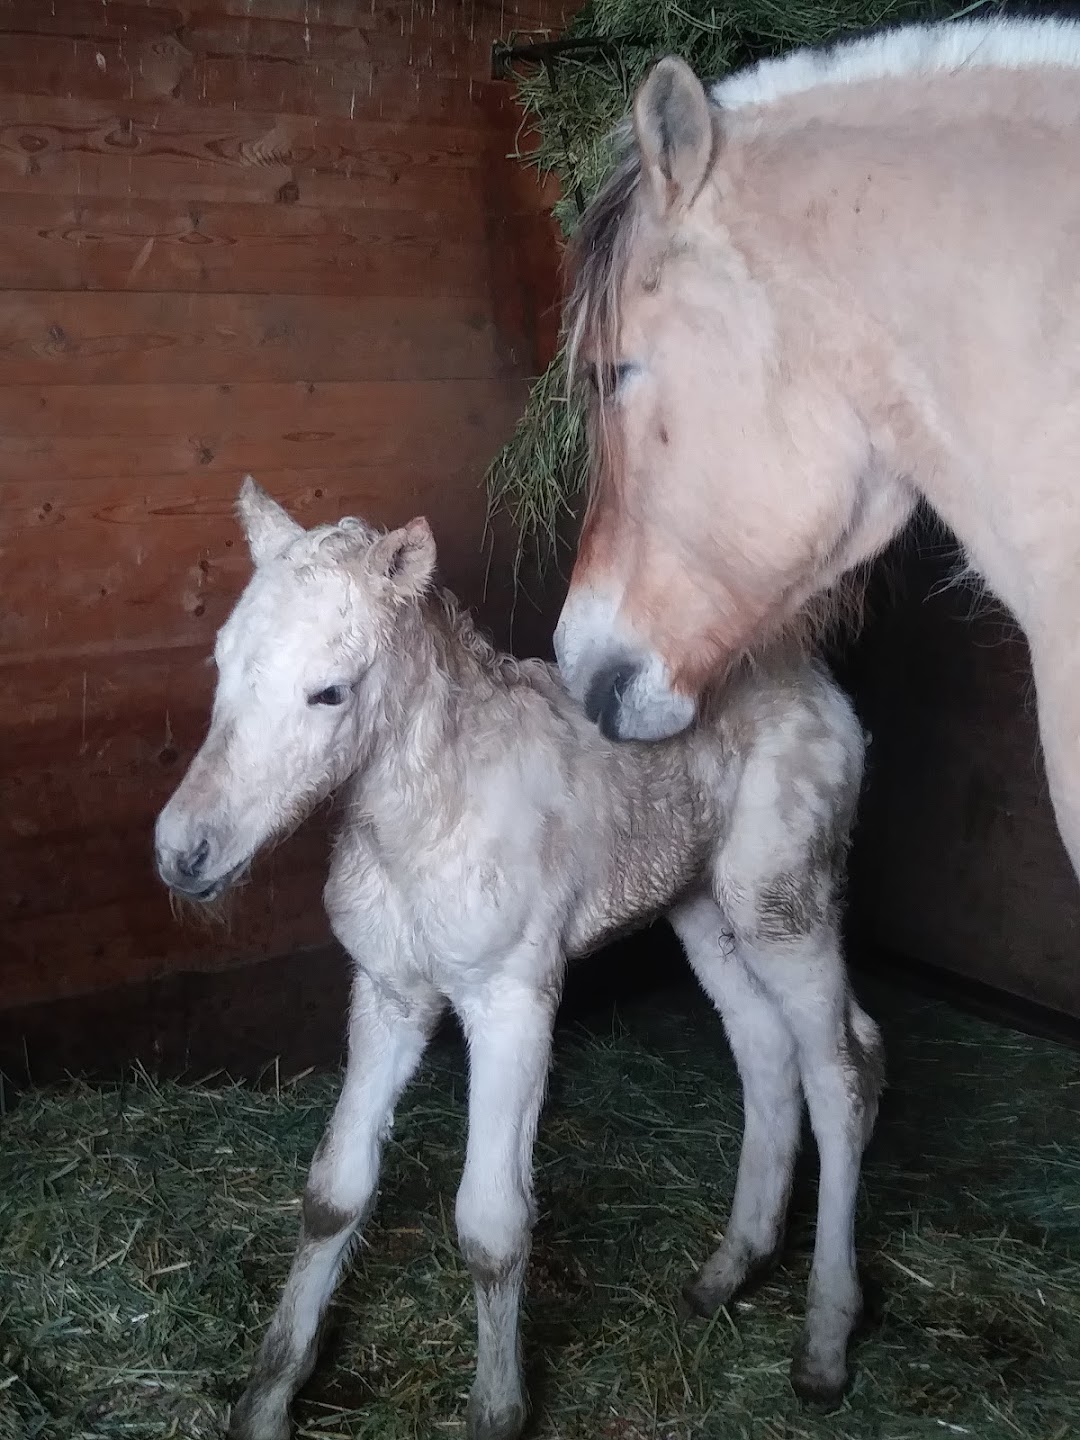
(625, 691)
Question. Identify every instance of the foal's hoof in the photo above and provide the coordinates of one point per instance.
(246, 1423)
(816, 1381)
(717, 1284)
(700, 1300)
(483, 1422)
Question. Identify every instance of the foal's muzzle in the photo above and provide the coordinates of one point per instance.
(190, 874)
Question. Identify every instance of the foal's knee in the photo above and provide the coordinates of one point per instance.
(339, 1193)
(321, 1218)
(494, 1231)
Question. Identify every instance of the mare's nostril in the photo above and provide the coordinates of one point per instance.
(604, 697)
(191, 865)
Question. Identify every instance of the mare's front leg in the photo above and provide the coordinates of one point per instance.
(508, 1026)
(764, 1051)
(387, 1036)
(1056, 669)
(841, 1067)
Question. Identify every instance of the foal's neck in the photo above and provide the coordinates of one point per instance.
(442, 680)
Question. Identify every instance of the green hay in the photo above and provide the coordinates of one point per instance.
(539, 474)
(146, 1230)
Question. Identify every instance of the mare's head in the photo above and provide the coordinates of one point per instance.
(732, 478)
(303, 662)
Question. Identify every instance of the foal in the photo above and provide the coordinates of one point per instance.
(490, 833)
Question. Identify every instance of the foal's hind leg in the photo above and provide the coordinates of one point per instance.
(841, 1067)
(508, 1026)
(764, 1051)
(387, 1036)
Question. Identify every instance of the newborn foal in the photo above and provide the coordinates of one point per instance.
(490, 832)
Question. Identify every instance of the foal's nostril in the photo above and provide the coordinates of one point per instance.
(190, 866)
(604, 696)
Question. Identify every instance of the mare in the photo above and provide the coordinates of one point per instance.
(810, 295)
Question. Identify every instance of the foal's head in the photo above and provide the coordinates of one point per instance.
(728, 464)
(303, 662)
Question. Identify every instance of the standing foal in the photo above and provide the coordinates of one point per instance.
(490, 832)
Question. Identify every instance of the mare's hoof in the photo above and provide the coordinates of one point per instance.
(482, 1422)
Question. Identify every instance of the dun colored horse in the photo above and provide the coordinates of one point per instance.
(828, 286)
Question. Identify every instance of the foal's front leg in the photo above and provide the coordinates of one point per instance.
(508, 1026)
(387, 1037)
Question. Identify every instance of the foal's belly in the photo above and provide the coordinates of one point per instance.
(640, 884)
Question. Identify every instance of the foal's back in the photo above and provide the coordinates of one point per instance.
(582, 837)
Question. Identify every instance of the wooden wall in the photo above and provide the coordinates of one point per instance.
(269, 235)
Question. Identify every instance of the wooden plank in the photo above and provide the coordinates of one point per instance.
(51, 710)
(162, 564)
(53, 433)
(184, 153)
(224, 134)
(89, 19)
(136, 939)
(316, 38)
(351, 88)
(391, 89)
(78, 243)
(107, 338)
(496, 16)
(76, 870)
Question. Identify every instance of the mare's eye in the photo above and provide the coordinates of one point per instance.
(606, 380)
(332, 695)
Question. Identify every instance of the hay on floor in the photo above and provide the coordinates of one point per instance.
(144, 1232)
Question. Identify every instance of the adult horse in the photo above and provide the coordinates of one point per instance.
(833, 284)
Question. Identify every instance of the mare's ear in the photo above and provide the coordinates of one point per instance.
(405, 558)
(676, 132)
(267, 527)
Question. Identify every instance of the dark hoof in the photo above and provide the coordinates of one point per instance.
(484, 1424)
(699, 1301)
(703, 1296)
(821, 1388)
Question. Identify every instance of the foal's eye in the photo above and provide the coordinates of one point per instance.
(332, 695)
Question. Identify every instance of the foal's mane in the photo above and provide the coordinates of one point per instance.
(458, 636)
(599, 251)
(455, 635)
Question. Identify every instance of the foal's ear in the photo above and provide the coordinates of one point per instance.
(405, 558)
(267, 527)
(675, 131)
